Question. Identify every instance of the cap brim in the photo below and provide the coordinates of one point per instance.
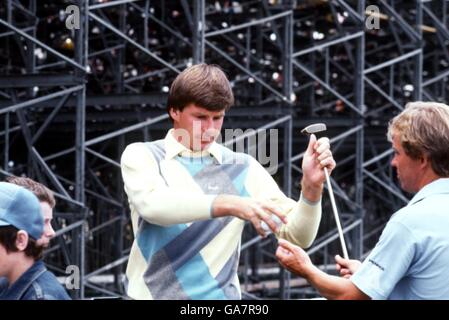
(4, 223)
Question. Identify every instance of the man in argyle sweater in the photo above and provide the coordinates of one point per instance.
(190, 197)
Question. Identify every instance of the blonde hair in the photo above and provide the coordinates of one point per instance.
(423, 129)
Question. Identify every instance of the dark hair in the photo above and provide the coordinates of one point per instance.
(8, 236)
(40, 191)
(203, 84)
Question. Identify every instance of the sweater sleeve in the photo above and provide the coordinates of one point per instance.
(303, 216)
(149, 195)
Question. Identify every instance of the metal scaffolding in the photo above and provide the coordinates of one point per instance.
(74, 93)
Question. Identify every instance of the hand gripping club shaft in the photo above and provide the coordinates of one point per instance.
(315, 128)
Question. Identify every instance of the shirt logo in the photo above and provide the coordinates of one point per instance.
(212, 188)
(377, 265)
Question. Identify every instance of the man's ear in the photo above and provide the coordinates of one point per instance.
(174, 114)
(22, 240)
(424, 160)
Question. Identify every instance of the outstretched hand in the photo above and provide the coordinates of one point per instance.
(293, 258)
(249, 209)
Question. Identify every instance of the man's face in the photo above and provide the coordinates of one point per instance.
(408, 169)
(49, 233)
(201, 126)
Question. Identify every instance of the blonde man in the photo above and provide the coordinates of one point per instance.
(411, 259)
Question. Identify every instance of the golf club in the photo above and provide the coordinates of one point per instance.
(316, 128)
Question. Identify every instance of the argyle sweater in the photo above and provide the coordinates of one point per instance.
(179, 251)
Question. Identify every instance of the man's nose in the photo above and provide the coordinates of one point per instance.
(393, 162)
(51, 232)
(210, 123)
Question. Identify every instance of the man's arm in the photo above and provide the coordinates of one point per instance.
(252, 210)
(334, 288)
(294, 259)
(152, 198)
(303, 216)
(159, 204)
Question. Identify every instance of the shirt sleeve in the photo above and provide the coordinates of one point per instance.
(387, 263)
(150, 196)
(303, 216)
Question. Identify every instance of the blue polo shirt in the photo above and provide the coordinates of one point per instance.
(411, 259)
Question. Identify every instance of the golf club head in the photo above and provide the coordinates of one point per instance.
(314, 128)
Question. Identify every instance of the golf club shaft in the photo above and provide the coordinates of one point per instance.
(337, 219)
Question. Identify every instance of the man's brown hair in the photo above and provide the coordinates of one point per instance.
(204, 85)
(40, 191)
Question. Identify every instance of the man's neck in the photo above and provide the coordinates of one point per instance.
(19, 267)
(187, 141)
(428, 178)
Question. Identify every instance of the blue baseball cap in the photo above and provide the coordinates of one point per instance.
(20, 208)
